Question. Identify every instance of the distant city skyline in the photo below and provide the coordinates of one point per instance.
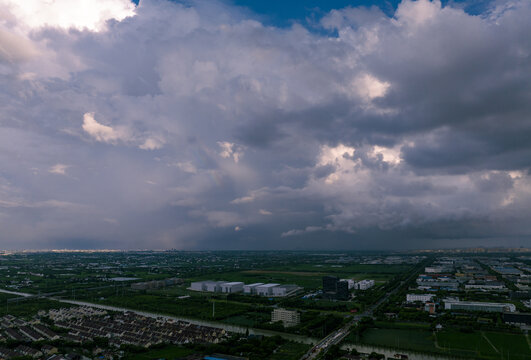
(239, 124)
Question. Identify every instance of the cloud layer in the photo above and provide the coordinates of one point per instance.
(194, 125)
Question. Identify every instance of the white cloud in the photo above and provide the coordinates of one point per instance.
(243, 199)
(296, 232)
(15, 47)
(230, 150)
(368, 87)
(265, 212)
(78, 14)
(59, 169)
(152, 144)
(389, 155)
(100, 132)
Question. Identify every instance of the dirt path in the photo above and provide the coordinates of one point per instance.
(301, 273)
(491, 344)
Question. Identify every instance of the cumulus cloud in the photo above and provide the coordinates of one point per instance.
(65, 14)
(412, 125)
(100, 132)
(152, 144)
(230, 151)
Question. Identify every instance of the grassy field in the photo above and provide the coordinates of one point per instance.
(167, 352)
(488, 345)
(200, 308)
(28, 308)
(477, 345)
(348, 269)
(290, 351)
(418, 340)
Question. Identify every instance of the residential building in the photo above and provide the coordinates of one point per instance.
(288, 317)
(364, 284)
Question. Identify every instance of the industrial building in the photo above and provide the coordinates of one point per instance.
(232, 287)
(250, 289)
(288, 317)
(455, 304)
(429, 282)
(265, 289)
(210, 286)
(485, 285)
(419, 297)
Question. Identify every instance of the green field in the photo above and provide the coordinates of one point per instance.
(488, 345)
(27, 308)
(418, 340)
(478, 345)
(199, 308)
(289, 351)
(167, 352)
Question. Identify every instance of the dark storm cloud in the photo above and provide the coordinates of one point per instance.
(196, 126)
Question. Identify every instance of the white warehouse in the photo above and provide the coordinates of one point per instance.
(251, 288)
(266, 289)
(232, 287)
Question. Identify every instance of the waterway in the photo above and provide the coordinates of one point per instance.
(243, 330)
(389, 353)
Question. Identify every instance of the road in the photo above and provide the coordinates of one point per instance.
(337, 336)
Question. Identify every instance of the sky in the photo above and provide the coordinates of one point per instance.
(265, 125)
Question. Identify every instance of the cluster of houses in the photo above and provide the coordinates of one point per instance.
(16, 329)
(74, 312)
(132, 329)
(231, 287)
(85, 324)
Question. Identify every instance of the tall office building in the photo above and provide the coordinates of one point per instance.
(333, 288)
(330, 284)
(342, 292)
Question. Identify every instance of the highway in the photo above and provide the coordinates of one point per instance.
(337, 336)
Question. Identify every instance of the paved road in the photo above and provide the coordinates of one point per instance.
(337, 336)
